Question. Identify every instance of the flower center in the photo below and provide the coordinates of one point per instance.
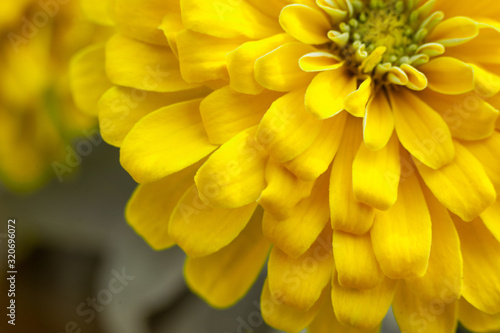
(379, 35)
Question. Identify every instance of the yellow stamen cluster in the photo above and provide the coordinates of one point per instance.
(380, 35)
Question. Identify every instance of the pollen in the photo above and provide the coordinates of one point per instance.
(380, 36)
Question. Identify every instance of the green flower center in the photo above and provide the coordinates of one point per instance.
(382, 34)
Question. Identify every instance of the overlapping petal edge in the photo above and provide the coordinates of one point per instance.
(365, 193)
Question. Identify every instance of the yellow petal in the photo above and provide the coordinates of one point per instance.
(448, 75)
(279, 69)
(306, 24)
(299, 282)
(481, 254)
(140, 20)
(486, 152)
(476, 320)
(241, 61)
(172, 25)
(362, 309)
(295, 234)
(284, 317)
(378, 124)
(444, 273)
(467, 115)
(346, 213)
(98, 11)
(151, 150)
(287, 129)
(490, 219)
(401, 236)
(150, 207)
(226, 112)
(326, 94)
(88, 78)
(481, 50)
(375, 175)
(461, 186)
(355, 261)
(454, 31)
(319, 62)
(234, 175)
(421, 130)
(224, 277)
(283, 192)
(486, 84)
(202, 57)
(143, 66)
(355, 102)
(416, 79)
(415, 314)
(227, 19)
(315, 160)
(326, 322)
(201, 230)
(121, 108)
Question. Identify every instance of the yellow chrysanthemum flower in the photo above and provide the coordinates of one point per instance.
(357, 141)
(38, 118)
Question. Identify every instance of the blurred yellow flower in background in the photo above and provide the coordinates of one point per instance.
(357, 141)
(38, 118)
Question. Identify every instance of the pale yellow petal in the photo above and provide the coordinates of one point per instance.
(120, 108)
(224, 277)
(287, 129)
(326, 94)
(486, 152)
(346, 213)
(316, 159)
(375, 175)
(202, 57)
(227, 19)
(143, 66)
(295, 234)
(481, 254)
(299, 282)
(468, 116)
(88, 79)
(241, 61)
(355, 261)
(151, 150)
(355, 103)
(490, 219)
(362, 309)
(201, 230)
(401, 236)
(421, 130)
(284, 317)
(150, 207)
(454, 31)
(415, 314)
(378, 124)
(233, 176)
(448, 76)
(461, 186)
(283, 192)
(304, 23)
(279, 69)
(476, 320)
(226, 112)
